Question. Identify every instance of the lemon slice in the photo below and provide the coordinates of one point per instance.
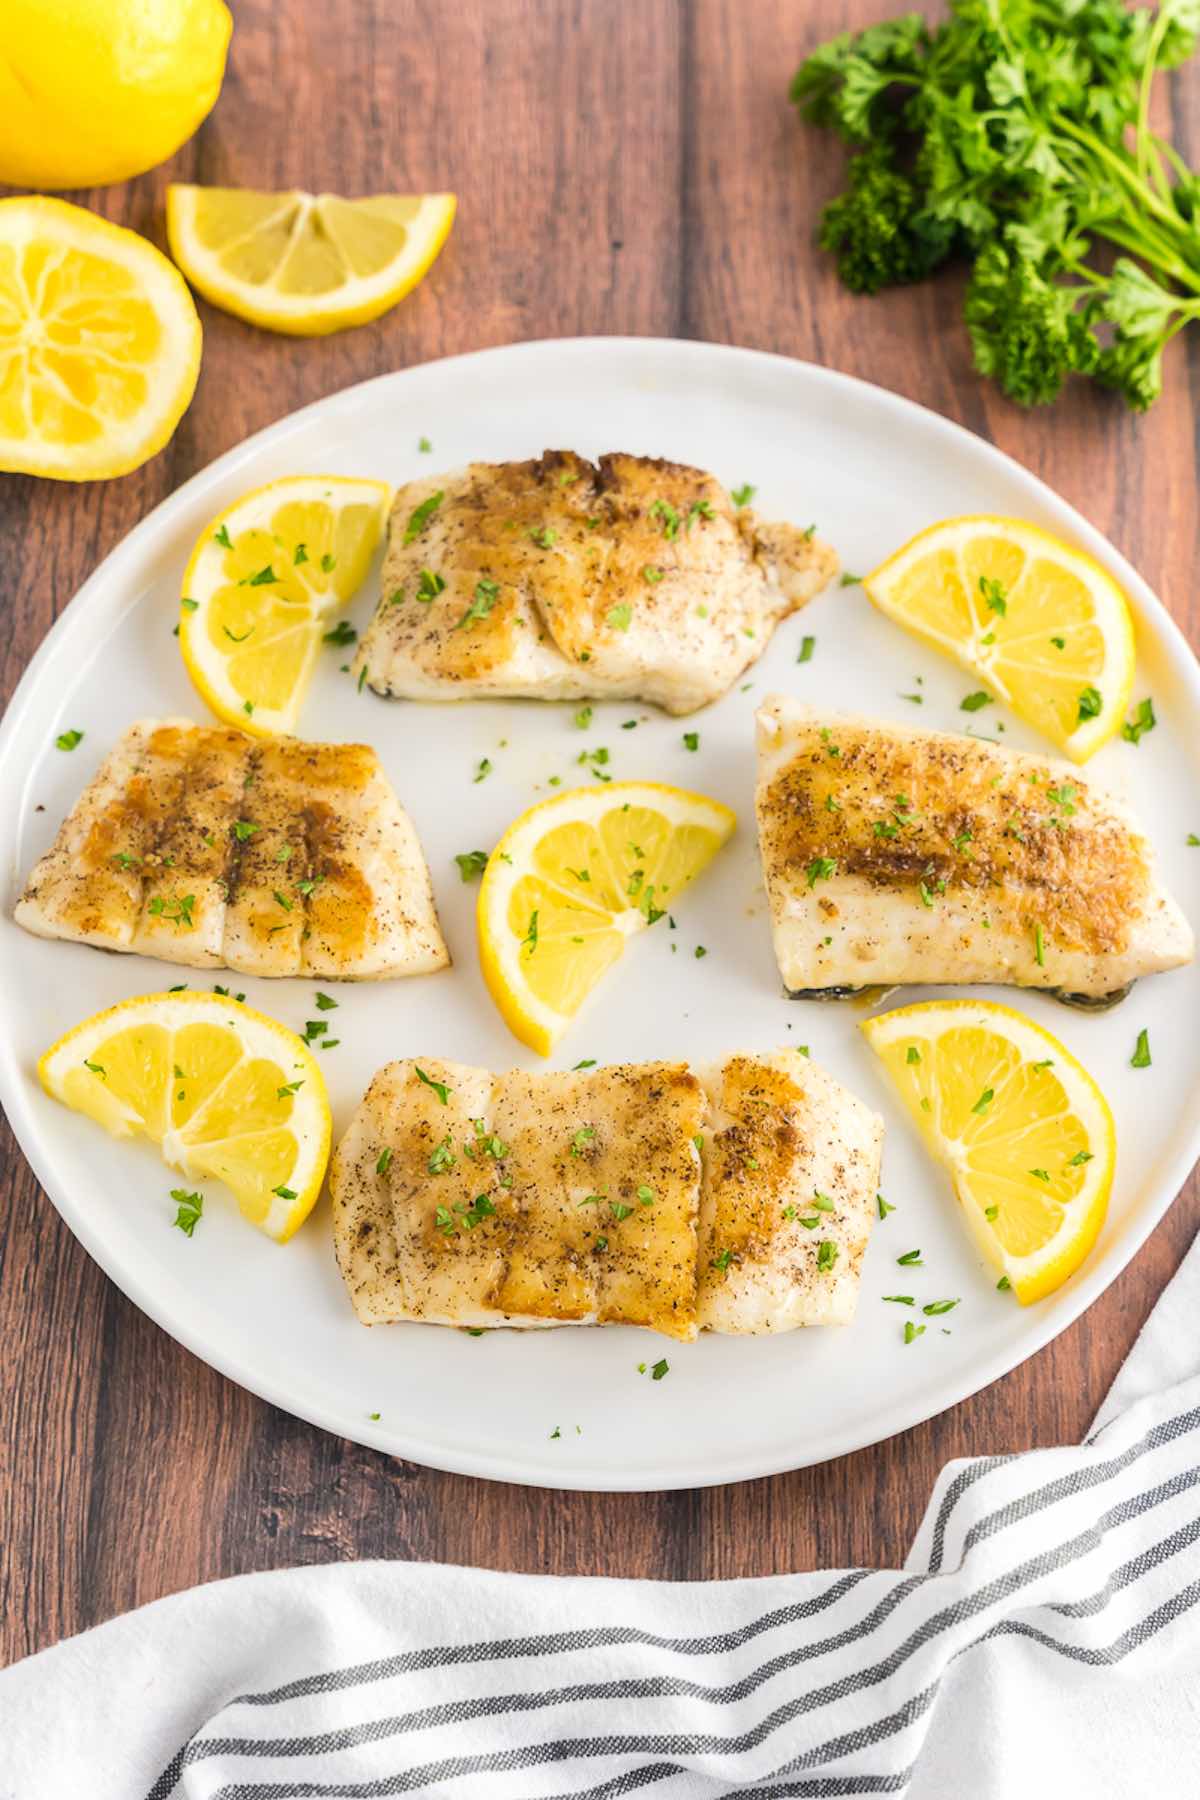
(260, 588)
(302, 263)
(226, 1092)
(1041, 623)
(571, 880)
(1023, 1129)
(99, 343)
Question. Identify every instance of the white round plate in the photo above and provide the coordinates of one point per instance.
(569, 1408)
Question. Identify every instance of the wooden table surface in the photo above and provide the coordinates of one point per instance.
(622, 166)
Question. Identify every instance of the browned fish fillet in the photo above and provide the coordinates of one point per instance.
(562, 579)
(893, 855)
(209, 847)
(737, 1200)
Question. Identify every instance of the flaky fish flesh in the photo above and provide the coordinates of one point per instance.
(206, 846)
(562, 579)
(735, 1199)
(894, 856)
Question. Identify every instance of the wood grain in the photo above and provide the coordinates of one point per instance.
(623, 166)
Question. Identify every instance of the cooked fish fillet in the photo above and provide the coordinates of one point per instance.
(209, 847)
(735, 1200)
(561, 579)
(918, 856)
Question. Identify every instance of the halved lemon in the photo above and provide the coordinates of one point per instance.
(571, 880)
(305, 264)
(1025, 1132)
(261, 587)
(226, 1092)
(1041, 623)
(99, 343)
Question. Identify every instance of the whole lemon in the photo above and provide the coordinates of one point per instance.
(93, 91)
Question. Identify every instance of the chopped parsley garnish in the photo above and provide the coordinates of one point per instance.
(721, 1263)
(691, 740)
(925, 892)
(281, 900)
(97, 1069)
(583, 1137)
(1143, 720)
(189, 605)
(324, 1003)
(900, 1299)
(1040, 1174)
(530, 940)
(1003, 1284)
(221, 536)
(301, 554)
(233, 636)
(429, 585)
(486, 594)
(1091, 703)
(827, 1255)
(243, 829)
(994, 595)
(471, 863)
(442, 1157)
(421, 515)
(651, 574)
(619, 618)
(667, 513)
(984, 1101)
(936, 1308)
(911, 1331)
(912, 1054)
(439, 1087)
(645, 1195)
(588, 1062)
(384, 1163)
(1039, 947)
(328, 563)
(424, 446)
(543, 537)
(485, 768)
(583, 718)
(189, 1208)
(67, 740)
(699, 951)
(742, 496)
(807, 646)
(177, 909)
(342, 633)
(659, 1369)
(910, 1260)
(973, 702)
(1080, 1157)
(821, 868)
(884, 1206)
(263, 578)
(1141, 1055)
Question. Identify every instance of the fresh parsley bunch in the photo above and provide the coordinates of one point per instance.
(1017, 135)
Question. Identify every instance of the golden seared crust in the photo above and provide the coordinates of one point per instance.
(894, 855)
(208, 847)
(560, 578)
(605, 1197)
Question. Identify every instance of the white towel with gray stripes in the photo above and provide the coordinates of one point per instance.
(1042, 1643)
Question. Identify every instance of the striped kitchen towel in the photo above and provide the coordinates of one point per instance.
(1042, 1641)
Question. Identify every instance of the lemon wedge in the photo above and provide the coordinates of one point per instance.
(1025, 1132)
(1041, 623)
(301, 263)
(226, 1092)
(571, 880)
(261, 587)
(99, 343)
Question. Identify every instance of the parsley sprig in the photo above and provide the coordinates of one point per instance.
(1017, 136)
